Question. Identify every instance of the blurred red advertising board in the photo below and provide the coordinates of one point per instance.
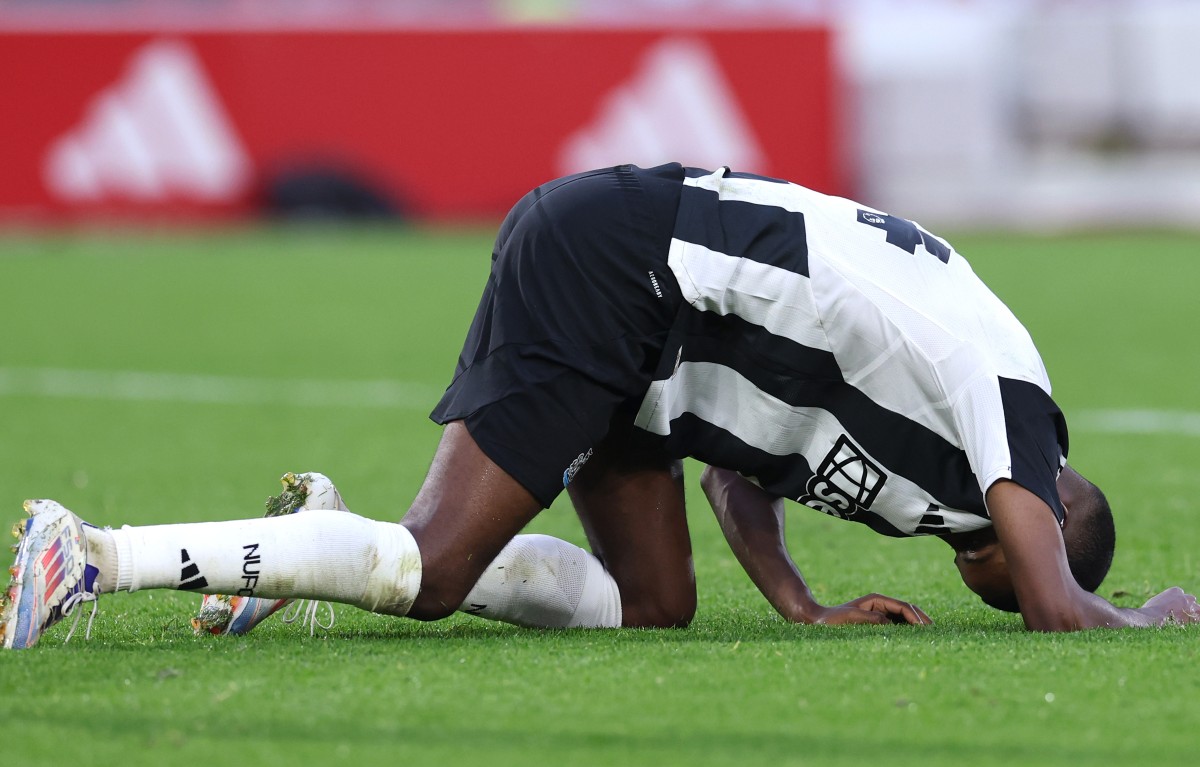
(447, 122)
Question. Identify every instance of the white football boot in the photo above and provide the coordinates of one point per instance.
(50, 578)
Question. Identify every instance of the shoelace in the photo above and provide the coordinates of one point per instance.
(306, 609)
(73, 601)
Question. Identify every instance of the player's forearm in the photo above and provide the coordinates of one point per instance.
(1090, 611)
(752, 521)
(1087, 611)
(1049, 597)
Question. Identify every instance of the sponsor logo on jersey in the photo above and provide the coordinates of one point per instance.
(575, 466)
(846, 483)
(158, 134)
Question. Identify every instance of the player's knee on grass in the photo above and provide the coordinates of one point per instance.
(437, 600)
(447, 575)
(661, 610)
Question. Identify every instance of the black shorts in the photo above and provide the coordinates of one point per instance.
(572, 323)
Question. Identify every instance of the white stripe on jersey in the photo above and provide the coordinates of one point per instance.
(706, 390)
(919, 336)
(753, 190)
(777, 299)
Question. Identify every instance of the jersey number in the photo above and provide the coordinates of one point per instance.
(905, 235)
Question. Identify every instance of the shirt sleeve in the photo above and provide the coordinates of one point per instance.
(1037, 440)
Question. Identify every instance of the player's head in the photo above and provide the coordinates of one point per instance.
(1088, 536)
(1088, 533)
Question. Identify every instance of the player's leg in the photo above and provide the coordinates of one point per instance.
(464, 514)
(535, 580)
(629, 497)
(571, 328)
(465, 521)
(327, 555)
(466, 511)
(233, 614)
(546, 582)
(572, 325)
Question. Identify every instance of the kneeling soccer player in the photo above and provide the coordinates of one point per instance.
(804, 346)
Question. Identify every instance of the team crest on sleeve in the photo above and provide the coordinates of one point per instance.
(846, 482)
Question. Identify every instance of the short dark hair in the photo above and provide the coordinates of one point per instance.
(1090, 537)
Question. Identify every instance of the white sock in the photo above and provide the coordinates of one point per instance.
(545, 582)
(328, 555)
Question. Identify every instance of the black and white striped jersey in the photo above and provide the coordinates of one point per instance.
(847, 359)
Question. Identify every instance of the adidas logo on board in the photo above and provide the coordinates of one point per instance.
(678, 106)
(159, 133)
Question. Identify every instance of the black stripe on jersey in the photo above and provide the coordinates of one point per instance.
(1037, 439)
(749, 346)
(901, 445)
(782, 475)
(764, 233)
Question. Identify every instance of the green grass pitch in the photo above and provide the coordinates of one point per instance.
(159, 377)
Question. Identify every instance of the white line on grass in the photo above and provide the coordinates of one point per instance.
(132, 386)
(1136, 421)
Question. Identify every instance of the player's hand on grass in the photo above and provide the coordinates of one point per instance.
(874, 608)
(1174, 604)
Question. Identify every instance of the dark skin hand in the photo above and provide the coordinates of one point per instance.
(753, 523)
(1021, 560)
